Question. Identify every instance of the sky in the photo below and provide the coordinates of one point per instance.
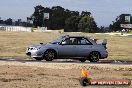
(104, 11)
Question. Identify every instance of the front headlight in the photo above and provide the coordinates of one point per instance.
(33, 48)
(36, 48)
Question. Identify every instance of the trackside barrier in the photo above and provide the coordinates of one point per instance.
(15, 29)
(27, 29)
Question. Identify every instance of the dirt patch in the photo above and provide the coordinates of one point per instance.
(57, 75)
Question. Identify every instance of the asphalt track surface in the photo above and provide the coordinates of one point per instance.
(105, 61)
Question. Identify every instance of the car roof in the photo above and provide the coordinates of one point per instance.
(75, 36)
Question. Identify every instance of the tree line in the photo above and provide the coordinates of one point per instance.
(60, 18)
(70, 21)
(19, 22)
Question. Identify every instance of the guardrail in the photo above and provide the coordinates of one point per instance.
(27, 29)
(15, 29)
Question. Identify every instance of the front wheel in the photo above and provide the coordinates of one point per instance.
(82, 60)
(94, 57)
(49, 55)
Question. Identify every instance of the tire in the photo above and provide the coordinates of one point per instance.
(94, 57)
(49, 55)
(85, 81)
(82, 60)
(38, 59)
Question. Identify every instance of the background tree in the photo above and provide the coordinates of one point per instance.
(61, 18)
(85, 13)
(58, 17)
(18, 22)
(118, 21)
(38, 16)
(8, 21)
(1, 21)
(71, 24)
(104, 29)
(87, 24)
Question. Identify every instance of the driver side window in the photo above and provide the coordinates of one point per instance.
(70, 41)
(76, 41)
(66, 41)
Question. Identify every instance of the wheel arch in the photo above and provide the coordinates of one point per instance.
(95, 51)
(56, 54)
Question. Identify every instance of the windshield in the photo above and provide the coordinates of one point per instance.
(56, 41)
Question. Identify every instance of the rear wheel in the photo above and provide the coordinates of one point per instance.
(49, 55)
(94, 57)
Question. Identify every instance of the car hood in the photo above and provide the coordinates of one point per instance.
(38, 45)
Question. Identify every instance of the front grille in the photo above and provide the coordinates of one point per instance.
(29, 54)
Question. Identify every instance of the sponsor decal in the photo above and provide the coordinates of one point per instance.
(86, 81)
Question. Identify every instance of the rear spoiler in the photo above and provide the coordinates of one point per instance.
(102, 42)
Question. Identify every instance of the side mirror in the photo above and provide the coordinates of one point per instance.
(63, 43)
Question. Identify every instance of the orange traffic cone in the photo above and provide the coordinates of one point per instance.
(85, 73)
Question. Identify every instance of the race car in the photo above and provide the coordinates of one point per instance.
(69, 47)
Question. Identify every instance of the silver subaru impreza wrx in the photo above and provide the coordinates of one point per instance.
(69, 47)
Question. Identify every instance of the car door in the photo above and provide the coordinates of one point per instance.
(66, 48)
(83, 48)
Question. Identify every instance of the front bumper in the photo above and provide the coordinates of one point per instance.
(34, 54)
